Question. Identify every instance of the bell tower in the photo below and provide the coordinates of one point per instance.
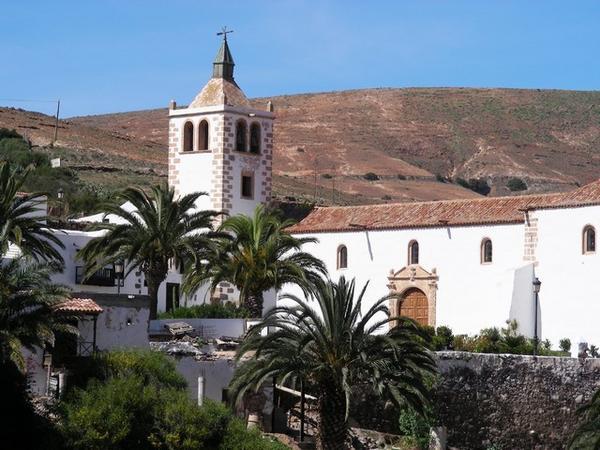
(221, 144)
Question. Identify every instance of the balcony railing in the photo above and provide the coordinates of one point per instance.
(103, 277)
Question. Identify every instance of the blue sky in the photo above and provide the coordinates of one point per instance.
(121, 55)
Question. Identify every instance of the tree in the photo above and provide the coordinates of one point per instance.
(333, 347)
(565, 345)
(27, 300)
(21, 223)
(255, 254)
(160, 228)
(587, 435)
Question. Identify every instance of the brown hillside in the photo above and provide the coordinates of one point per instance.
(551, 139)
(103, 157)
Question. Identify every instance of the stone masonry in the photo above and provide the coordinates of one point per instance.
(512, 401)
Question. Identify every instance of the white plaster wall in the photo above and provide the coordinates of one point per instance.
(75, 240)
(118, 327)
(570, 293)
(470, 295)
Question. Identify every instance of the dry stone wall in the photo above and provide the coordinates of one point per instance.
(512, 401)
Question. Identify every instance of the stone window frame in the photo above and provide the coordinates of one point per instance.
(255, 126)
(410, 255)
(585, 248)
(342, 258)
(250, 174)
(185, 139)
(482, 251)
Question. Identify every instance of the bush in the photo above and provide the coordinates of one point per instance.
(516, 184)
(565, 345)
(207, 311)
(327, 176)
(238, 437)
(479, 185)
(440, 178)
(416, 426)
(138, 401)
(401, 177)
(5, 133)
(370, 176)
(386, 197)
(151, 367)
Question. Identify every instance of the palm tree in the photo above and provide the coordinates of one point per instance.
(255, 254)
(587, 435)
(21, 223)
(27, 300)
(161, 228)
(334, 347)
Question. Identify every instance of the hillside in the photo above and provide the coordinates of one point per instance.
(101, 157)
(550, 139)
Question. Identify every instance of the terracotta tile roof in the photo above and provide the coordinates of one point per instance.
(494, 210)
(79, 306)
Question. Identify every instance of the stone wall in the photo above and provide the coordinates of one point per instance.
(512, 401)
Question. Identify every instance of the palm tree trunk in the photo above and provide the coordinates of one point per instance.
(254, 304)
(333, 426)
(154, 282)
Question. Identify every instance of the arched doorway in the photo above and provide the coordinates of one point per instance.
(414, 305)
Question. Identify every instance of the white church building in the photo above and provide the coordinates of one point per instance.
(466, 264)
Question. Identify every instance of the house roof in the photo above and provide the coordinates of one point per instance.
(480, 211)
(79, 306)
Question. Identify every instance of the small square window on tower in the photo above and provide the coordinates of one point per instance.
(247, 185)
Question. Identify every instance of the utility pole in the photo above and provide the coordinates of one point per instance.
(315, 179)
(56, 122)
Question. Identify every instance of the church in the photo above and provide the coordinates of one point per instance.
(466, 264)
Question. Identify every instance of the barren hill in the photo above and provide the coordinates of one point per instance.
(550, 139)
(409, 138)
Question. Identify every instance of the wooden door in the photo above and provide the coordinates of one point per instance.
(414, 305)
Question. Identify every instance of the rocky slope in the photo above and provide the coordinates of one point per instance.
(407, 137)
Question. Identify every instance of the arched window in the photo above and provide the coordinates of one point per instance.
(188, 137)
(240, 136)
(413, 252)
(255, 138)
(342, 257)
(486, 251)
(589, 239)
(203, 135)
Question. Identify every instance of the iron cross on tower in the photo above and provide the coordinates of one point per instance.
(224, 31)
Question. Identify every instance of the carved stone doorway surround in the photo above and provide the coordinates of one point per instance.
(413, 276)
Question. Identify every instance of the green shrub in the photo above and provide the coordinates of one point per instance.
(327, 176)
(440, 178)
(565, 345)
(416, 426)
(5, 133)
(207, 311)
(516, 184)
(152, 367)
(479, 185)
(401, 177)
(443, 338)
(370, 176)
(238, 437)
